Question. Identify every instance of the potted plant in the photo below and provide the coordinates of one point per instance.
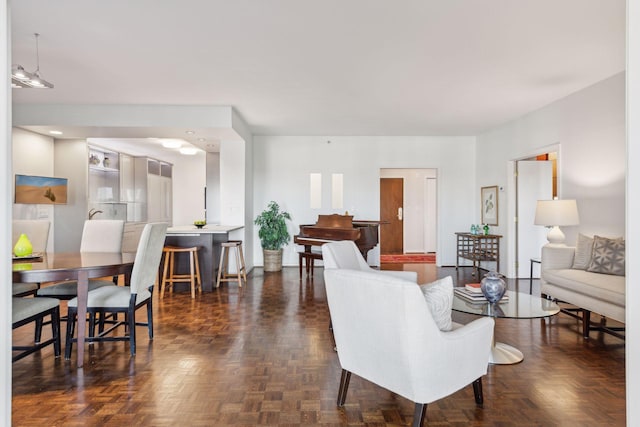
(273, 235)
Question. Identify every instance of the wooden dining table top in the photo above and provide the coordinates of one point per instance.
(65, 266)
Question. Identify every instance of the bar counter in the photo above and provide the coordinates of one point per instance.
(208, 240)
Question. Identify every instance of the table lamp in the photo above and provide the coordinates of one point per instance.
(556, 213)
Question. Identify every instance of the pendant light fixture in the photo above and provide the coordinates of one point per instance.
(23, 79)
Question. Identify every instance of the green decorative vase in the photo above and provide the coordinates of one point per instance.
(23, 246)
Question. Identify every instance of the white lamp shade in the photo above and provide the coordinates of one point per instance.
(552, 213)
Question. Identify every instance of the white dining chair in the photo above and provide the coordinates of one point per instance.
(27, 310)
(124, 299)
(103, 235)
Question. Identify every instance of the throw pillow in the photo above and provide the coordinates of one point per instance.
(607, 256)
(439, 298)
(582, 257)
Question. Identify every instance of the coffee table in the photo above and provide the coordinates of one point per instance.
(519, 306)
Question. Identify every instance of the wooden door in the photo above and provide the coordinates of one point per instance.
(391, 206)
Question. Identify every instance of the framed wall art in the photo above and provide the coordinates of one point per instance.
(40, 190)
(489, 205)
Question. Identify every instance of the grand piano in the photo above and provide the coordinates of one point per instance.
(334, 227)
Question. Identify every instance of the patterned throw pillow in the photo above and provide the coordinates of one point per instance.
(607, 256)
(439, 298)
(584, 248)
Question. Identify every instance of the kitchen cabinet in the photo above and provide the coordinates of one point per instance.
(120, 186)
(104, 195)
(153, 190)
(104, 176)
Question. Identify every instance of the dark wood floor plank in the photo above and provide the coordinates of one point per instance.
(263, 356)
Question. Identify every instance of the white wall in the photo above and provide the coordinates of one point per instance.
(189, 180)
(282, 165)
(232, 183)
(213, 188)
(33, 155)
(589, 127)
(242, 129)
(633, 213)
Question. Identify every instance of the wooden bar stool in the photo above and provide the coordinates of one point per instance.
(223, 268)
(170, 276)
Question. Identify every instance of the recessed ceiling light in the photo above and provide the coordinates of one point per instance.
(202, 139)
(55, 132)
(189, 151)
(171, 143)
(190, 132)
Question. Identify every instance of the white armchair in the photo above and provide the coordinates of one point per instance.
(385, 333)
(346, 255)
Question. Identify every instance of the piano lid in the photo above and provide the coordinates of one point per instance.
(335, 220)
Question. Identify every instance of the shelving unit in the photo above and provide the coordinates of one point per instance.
(104, 176)
(478, 248)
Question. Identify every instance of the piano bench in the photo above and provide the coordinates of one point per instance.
(309, 258)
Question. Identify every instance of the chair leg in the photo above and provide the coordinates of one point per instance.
(300, 263)
(55, 330)
(344, 386)
(172, 266)
(244, 268)
(477, 391)
(198, 277)
(71, 319)
(92, 324)
(221, 265)
(38, 332)
(132, 331)
(238, 268)
(165, 270)
(101, 321)
(419, 414)
(192, 269)
(150, 316)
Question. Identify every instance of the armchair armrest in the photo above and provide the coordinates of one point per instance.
(557, 257)
(457, 359)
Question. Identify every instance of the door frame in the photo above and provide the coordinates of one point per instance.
(402, 172)
(512, 229)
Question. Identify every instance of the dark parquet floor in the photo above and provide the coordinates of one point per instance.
(263, 355)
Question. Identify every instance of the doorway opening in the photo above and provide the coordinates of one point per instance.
(408, 207)
(536, 178)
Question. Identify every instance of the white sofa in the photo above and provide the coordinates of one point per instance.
(590, 292)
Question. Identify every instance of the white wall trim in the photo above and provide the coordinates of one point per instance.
(633, 211)
(5, 215)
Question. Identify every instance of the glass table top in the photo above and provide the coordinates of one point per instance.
(518, 306)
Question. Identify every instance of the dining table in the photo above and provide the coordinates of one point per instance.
(77, 266)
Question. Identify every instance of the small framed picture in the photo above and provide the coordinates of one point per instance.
(489, 207)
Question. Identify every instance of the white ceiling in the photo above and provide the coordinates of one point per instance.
(324, 67)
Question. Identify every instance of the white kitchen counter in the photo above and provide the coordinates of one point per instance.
(207, 229)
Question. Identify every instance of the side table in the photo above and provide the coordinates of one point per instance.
(533, 261)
